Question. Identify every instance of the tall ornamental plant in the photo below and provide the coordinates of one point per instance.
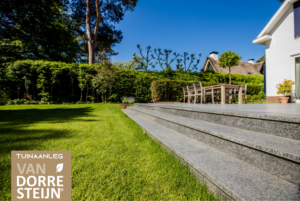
(82, 81)
(104, 80)
(44, 81)
(229, 59)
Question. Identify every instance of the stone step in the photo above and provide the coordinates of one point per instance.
(274, 119)
(224, 174)
(276, 155)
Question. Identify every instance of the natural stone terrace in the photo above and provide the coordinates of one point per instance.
(281, 112)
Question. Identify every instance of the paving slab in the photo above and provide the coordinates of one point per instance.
(275, 125)
(281, 112)
(234, 178)
(276, 155)
(282, 147)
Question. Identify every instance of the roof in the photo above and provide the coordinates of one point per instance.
(265, 33)
(243, 67)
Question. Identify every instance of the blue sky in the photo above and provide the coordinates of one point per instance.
(196, 26)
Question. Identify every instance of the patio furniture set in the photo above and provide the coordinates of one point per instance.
(218, 93)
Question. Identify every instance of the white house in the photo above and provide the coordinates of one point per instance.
(281, 37)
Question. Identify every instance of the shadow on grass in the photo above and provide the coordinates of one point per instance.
(30, 116)
(14, 134)
(36, 129)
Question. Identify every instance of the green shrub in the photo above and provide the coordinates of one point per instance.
(131, 100)
(60, 82)
(252, 89)
(4, 97)
(124, 100)
(171, 90)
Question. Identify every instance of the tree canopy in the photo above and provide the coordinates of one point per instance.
(37, 29)
(100, 17)
(229, 59)
(58, 30)
(263, 58)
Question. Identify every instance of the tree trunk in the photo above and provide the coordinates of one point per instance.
(92, 37)
(59, 90)
(72, 88)
(230, 75)
(18, 92)
(33, 91)
(80, 94)
(26, 87)
(86, 97)
(51, 92)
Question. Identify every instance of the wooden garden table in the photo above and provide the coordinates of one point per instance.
(223, 88)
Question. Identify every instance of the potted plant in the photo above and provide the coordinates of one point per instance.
(131, 100)
(285, 88)
(124, 103)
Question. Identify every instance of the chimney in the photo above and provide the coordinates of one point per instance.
(214, 55)
(251, 61)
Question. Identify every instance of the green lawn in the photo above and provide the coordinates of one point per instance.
(112, 158)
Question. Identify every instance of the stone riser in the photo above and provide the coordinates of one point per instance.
(281, 167)
(278, 128)
(212, 184)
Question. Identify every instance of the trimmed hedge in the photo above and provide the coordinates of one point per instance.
(59, 82)
(171, 90)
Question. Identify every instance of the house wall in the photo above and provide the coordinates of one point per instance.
(280, 53)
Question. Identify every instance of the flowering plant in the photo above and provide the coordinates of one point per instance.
(131, 100)
(285, 88)
(124, 100)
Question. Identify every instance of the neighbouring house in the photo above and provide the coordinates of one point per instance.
(250, 68)
(281, 37)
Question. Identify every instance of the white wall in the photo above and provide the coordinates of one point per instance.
(280, 53)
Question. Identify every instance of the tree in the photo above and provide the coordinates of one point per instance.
(72, 70)
(55, 73)
(99, 15)
(188, 67)
(35, 29)
(144, 61)
(43, 82)
(135, 64)
(263, 58)
(229, 59)
(106, 39)
(165, 60)
(82, 81)
(104, 80)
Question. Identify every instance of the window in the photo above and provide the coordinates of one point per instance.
(210, 68)
(297, 18)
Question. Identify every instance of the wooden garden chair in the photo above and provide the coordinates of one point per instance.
(198, 92)
(191, 92)
(188, 93)
(235, 94)
(185, 93)
(213, 93)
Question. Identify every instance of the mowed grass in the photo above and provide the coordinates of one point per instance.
(112, 158)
